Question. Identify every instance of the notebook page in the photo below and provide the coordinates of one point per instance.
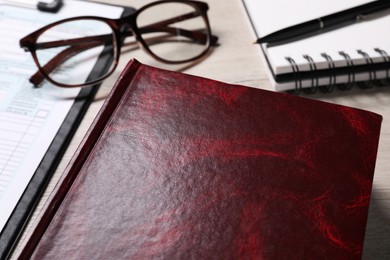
(270, 16)
(30, 117)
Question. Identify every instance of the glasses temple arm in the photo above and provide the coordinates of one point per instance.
(199, 36)
(52, 64)
(163, 26)
(98, 39)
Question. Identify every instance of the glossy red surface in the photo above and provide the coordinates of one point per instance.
(178, 166)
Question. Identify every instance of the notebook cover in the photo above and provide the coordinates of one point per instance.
(182, 167)
(23, 210)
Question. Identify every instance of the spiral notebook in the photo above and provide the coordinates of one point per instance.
(353, 53)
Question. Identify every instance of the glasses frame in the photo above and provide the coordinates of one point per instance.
(122, 27)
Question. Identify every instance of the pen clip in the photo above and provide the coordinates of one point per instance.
(372, 16)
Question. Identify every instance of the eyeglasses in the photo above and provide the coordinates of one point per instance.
(66, 51)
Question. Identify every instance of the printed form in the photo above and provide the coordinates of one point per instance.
(30, 117)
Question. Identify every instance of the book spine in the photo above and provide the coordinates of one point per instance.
(80, 156)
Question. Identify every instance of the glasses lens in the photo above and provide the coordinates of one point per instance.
(174, 31)
(68, 52)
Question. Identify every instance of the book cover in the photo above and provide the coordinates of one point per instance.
(178, 166)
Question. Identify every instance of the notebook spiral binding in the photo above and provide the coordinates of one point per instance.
(314, 87)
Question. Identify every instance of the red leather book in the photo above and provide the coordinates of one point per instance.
(182, 167)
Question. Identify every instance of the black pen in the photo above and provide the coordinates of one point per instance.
(327, 22)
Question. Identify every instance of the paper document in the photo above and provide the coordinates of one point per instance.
(30, 117)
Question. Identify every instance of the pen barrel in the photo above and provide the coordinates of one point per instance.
(352, 15)
(291, 32)
(325, 23)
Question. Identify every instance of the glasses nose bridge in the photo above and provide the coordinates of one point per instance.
(126, 23)
(124, 27)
